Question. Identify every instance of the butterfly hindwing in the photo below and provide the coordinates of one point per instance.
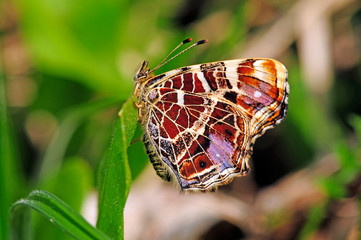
(202, 120)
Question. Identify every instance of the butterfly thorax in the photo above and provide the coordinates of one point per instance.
(140, 91)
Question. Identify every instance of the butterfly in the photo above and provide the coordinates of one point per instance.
(200, 122)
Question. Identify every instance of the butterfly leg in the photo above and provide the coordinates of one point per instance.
(137, 105)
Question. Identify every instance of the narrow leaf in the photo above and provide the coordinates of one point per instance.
(57, 211)
(72, 183)
(9, 178)
(115, 176)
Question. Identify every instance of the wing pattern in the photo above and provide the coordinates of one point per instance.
(201, 121)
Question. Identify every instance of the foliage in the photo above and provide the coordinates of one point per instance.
(115, 176)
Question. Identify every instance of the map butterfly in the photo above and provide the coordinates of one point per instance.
(200, 122)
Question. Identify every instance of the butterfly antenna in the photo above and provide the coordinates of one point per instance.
(165, 61)
(182, 43)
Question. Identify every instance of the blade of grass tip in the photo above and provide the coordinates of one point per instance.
(57, 211)
(114, 174)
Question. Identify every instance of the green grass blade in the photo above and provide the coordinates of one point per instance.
(115, 176)
(9, 178)
(71, 184)
(4, 156)
(57, 212)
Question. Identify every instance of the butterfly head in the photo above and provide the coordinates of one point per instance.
(143, 72)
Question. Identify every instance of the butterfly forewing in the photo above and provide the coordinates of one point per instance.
(201, 121)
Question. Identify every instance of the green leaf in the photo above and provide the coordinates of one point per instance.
(137, 155)
(114, 174)
(9, 178)
(57, 211)
(71, 184)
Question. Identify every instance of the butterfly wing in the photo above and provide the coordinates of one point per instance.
(203, 120)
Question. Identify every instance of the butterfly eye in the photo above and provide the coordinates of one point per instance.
(142, 72)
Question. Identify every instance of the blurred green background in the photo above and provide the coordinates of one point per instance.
(67, 67)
